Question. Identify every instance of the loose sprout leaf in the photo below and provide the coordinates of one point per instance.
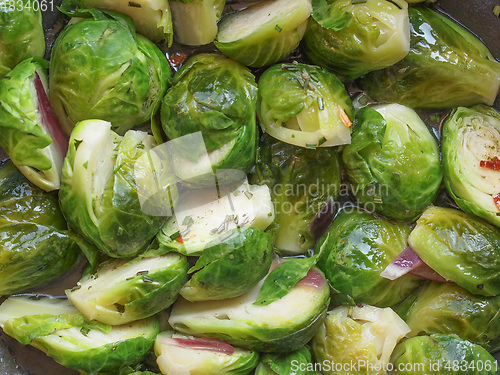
(283, 278)
(330, 17)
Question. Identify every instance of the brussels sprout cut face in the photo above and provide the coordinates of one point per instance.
(471, 149)
(121, 293)
(459, 247)
(432, 354)
(21, 33)
(450, 309)
(361, 336)
(446, 67)
(179, 354)
(357, 248)
(152, 18)
(304, 105)
(294, 363)
(99, 192)
(264, 33)
(101, 69)
(283, 325)
(354, 38)
(393, 162)
(195, 21)
(56, 328)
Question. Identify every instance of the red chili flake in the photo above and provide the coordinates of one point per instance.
(491, 164)
(180, 240)
(496, 199)
(176, 59)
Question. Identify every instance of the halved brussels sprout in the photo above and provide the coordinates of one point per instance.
(99, 191)
(357, 340)
(298, 362)
(30, 133)
(195, 21)
(101, 69)
(471, 147)
(216, 96)
(281, 326)
(393, 162)
(229, 269)
(460, 247)
(302, 183)
(55, 327)
(35, 245)
(446, 67)
(442, 354)
(207, 217)
(152, 18)
(21, 33)
(356, 249)
(450, 309)
(264, 33)
(304, 105)
(353, 38)
(119, 293)
(179, 354)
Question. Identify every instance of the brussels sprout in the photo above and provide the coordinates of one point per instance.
(294, 363)
(471, 143)
(356, 249)
(263, 33)
(459, 247)
(304, 105)
(354, 38)
(35, 246)
(446, 67)
(216, 96)
(281, 326)
(302, 182)
(442, 354)
(450, 309)
(393, 162)
(179, 354)
(206, 217)
(119, 293)
(55, 327)
(21, 33)
(152, 18)
(231, 268)
(101, 69)
(357, 340)
(99, 195)
(195, 21)
(30, 132)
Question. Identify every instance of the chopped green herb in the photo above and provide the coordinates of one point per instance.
(86, 164)
(321, 141)
(311, 146)
(358, 1)
(278, 29)
(496, 10)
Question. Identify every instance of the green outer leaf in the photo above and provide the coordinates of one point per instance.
(393, 162)
(428, 351)
(460, 247)
(463, 177)
(285, 364)
(110, 43)
(21, 34)
(301, 179)
(267, 42)
(450, 309)
(32, 255)
(446, 67)
(21, 135)
(283, 278)
(231, 268)
(357, 248)
(354, 39)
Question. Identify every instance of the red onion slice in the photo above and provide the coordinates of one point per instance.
(195, 343)
(408, 261)
(50, 124)
(314, 279)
